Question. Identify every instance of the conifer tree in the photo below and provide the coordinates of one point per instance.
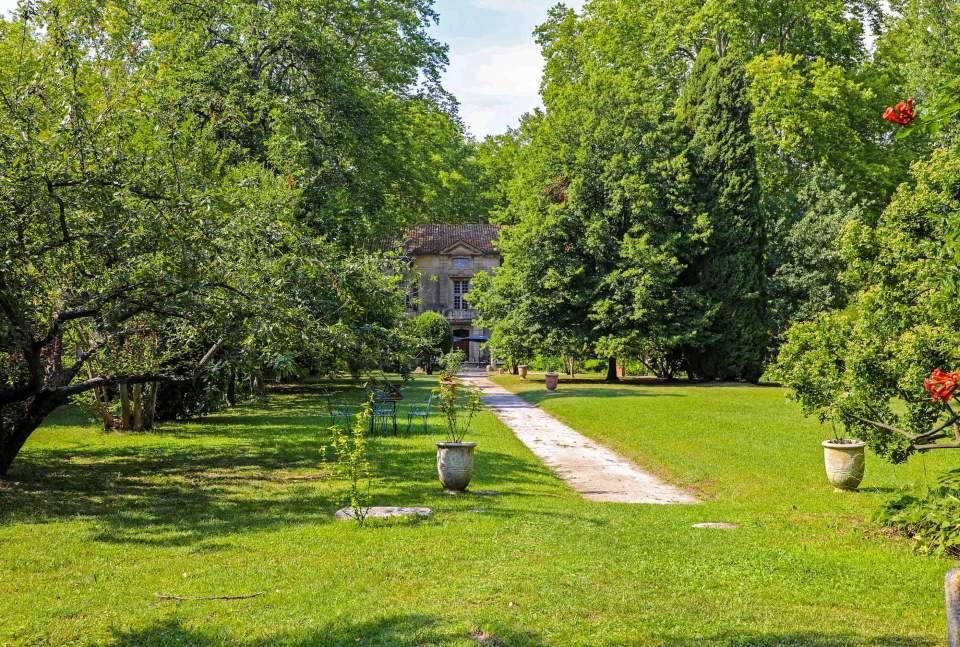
(729, 274)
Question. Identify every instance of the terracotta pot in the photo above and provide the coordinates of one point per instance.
(455, 465)
(551, 379)
(844, 461)
(523, 370)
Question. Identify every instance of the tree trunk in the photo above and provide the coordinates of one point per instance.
(232, 388)
(429, 364)
(150, 406)
(514, 368)
(257, 388)
(100, 396)
(354, 371)
(612, 370)
(136, 419)
(125, 417)
(18, 421)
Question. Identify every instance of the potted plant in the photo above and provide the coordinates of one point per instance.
(844, 460)
(551, 378)
(523, 368)
(458, 403)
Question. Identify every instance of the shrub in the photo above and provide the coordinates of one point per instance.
(352, 450)
(930, 519)
(863, 367)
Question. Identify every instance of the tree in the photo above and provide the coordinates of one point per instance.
(729, 272)
(170, 190)
(808, 263)
(341, 97)
(664, 195)
(435, 337)
(864, 367)
(501, 306)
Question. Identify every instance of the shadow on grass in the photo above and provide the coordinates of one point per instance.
(166, 496)
(232, 473)
(799, 639)
(399, 631)
(598, 391)
(418, 629)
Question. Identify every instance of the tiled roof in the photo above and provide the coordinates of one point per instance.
(432, 239)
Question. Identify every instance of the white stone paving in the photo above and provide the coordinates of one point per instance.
(594, 471)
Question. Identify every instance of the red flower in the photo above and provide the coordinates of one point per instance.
(941, 385)
(901, 114)
(568, 247)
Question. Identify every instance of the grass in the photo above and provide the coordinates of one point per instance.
(93, 524)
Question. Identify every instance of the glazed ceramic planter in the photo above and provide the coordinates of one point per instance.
(551, 379)
(844, 462)
(455, 465)
(523, 370)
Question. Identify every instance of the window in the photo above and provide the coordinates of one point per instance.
(413, 295)
(460, 288)
(461, 263)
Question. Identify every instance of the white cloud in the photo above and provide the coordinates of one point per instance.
(495, 85)
(495, 65)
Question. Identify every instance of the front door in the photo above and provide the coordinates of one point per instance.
(463, 344)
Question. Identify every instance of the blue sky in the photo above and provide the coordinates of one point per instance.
(495, 66)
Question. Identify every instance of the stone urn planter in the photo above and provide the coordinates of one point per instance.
(551, 379)
(523, 370)
(844, 462)
(455, 465)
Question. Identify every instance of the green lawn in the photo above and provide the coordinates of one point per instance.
(92, 525)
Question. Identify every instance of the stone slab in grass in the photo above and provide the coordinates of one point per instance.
(720, 525)
(385, 512)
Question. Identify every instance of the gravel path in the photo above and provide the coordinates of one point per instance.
(594, 471)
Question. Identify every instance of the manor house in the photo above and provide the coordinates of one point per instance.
(446, 258)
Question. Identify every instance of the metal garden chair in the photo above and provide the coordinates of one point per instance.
(383, 412)
(337, 410)
(421, 411)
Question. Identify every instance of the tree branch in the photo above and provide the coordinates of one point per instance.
(208, 356)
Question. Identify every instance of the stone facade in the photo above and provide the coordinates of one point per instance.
(445, 258)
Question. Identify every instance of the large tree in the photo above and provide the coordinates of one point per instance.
(863, 367)
(182, 181)
(669, 176)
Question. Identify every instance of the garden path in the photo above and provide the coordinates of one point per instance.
(596, 472)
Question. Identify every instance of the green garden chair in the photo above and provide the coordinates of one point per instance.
(421, 411)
